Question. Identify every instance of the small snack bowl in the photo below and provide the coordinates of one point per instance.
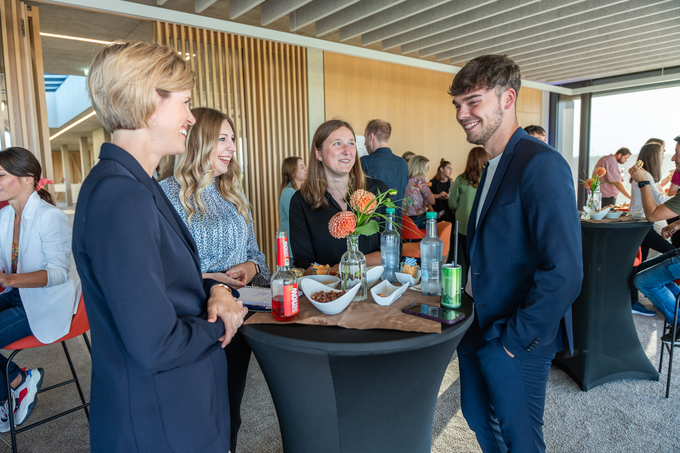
(328, 280)
(596, 215)
(613, 214)
(311, 287)
(298, 271)
(373, 275)
(407, 278)
(384, 293)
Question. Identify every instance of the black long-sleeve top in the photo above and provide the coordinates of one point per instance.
(310, 239)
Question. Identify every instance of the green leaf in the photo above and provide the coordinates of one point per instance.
(369, 229)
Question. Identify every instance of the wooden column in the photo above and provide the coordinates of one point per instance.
(66, 168)
(99, 137)
(85, 162)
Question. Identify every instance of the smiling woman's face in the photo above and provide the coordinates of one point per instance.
(224, 151)
(338, 153)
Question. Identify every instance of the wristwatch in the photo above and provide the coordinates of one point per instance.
(641, 184)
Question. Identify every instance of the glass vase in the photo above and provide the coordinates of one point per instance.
(353, 268)
(595, 200)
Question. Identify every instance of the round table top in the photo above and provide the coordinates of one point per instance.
(338, 339)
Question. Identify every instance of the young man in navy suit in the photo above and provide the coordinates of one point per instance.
(524, 244)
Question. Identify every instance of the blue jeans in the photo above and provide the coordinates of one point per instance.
(657, 284)
(13, 326)
(420, 221)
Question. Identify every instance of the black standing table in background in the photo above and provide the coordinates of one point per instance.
(606, 344)
(343, 390)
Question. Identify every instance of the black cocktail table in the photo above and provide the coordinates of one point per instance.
(606, 344)
(343, 390)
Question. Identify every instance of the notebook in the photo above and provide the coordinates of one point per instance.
(255, 298)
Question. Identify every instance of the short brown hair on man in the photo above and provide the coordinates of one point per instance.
(380, 128)
(125, 76)
(625, 151)
(492, 72)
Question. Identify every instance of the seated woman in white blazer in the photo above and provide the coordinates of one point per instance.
(37, 271)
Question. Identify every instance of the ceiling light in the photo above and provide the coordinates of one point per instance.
(74, 38)
(72, 125)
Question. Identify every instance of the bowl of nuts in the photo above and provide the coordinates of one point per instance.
(328, 300)
(328, 280)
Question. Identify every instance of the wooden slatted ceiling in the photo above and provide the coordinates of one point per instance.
(261, 85)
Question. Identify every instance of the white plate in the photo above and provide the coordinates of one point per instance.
(310, 286)
(406, 278)
(373, 275)
(390, 291)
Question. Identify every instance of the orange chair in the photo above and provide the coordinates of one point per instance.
(638, 258)
(79, 326)
(409, 230)
(412, 249)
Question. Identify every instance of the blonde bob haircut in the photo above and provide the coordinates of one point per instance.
(194, 170)
(125, 76)
(313, 189)
(417, 166)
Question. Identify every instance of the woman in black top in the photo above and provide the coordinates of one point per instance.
(441, 185)
(333, 169)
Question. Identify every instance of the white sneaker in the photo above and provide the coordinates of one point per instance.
(4, 417)
(26, 395)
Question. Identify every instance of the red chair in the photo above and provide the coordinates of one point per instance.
(79, 326)
(412, 249)
(638, 258)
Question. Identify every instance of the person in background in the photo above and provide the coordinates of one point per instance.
(651, 155)
(418, 197)
(158, 327)
(461, 197)
(381, 163)
(407, 156)
(655, 278)
(440, 186)
(612, 180)
(333, 171)
(41, 286)
(524, 243)
(293, 173)
(538, 132)
(205, 190)
(674, 179)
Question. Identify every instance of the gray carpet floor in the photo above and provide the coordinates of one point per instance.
(623, 416)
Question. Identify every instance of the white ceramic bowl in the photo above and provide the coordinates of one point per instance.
(373, 275)
(406, 278)
(310, 286)
(613, 214)
(596, 215)
(390, 292)
(328, 280)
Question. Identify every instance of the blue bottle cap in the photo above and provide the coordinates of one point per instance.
(431, 215)
(390, 210)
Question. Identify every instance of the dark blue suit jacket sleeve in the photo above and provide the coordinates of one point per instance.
(547, 196)
(122, 216)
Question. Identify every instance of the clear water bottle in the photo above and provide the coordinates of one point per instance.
(389, 249)
(431, 258)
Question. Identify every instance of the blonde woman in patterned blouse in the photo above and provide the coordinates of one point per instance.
(204, 186)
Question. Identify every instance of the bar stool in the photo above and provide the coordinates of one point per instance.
(669, 342)
(79, 326)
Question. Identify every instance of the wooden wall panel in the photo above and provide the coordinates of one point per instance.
(251, 80)
(414, 101)
(24, 80)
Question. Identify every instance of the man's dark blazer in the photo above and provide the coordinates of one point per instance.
(525, 253)
(158, 371)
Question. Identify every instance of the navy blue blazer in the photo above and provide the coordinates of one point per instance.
(525, 253)
(158, 371)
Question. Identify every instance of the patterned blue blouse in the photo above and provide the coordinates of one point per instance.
(223, 237)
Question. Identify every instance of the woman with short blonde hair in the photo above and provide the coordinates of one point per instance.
(157, 326)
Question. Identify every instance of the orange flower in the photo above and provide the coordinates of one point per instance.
(342, 224)
(587, 183)
(363, 200)
(599, 172)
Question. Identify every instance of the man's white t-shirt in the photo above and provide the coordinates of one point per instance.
(490, 172)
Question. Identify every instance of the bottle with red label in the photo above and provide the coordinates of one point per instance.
(284, 283)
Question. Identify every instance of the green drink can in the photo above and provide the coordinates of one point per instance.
(451, 282)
